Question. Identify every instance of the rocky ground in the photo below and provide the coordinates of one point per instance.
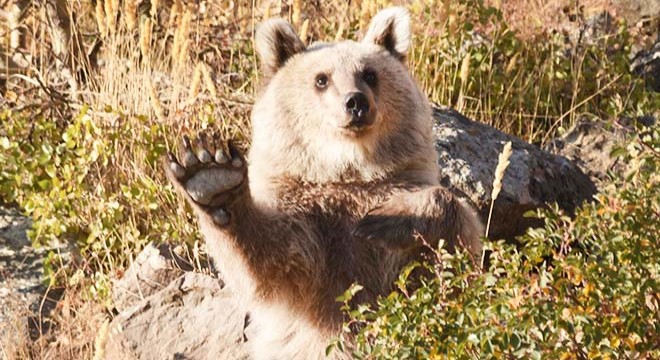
(20, 264)
(21, 272)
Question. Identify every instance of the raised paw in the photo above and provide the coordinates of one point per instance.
(211, 173)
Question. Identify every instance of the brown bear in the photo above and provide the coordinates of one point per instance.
(340, 185)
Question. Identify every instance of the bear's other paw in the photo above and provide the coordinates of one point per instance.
(211, 174)
(390, 226)
(412, 219)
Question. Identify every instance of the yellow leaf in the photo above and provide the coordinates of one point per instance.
(567, 356)
(615, 342)
(11, 96)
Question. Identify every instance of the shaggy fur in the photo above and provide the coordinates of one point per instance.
(323, 205)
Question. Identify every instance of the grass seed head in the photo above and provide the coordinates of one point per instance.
(502, 164)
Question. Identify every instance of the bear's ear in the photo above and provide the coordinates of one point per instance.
(276, 41)
(390, 28)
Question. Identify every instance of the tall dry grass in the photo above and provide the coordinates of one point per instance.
(67, 332)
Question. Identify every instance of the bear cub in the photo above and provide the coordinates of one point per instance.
(340, 185)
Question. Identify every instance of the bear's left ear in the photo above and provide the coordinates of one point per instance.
(390, 28)
(276, 41)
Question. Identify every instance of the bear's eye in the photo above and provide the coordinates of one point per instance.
(321, 81)
(370, 77)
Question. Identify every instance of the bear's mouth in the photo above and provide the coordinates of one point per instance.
(358, 125)
(355, 131)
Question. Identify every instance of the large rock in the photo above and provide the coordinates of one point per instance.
(590, 142)
(646, 64)
(469, 153)
(194, 317)
(151, 271)
(636, 10)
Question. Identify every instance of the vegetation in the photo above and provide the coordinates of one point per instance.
(90, 102)
(579, 288)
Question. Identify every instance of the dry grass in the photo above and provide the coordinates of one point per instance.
(72, 327)
(533, 17)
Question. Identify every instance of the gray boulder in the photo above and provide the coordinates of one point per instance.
(151, 271)
(194, 317)
(590, 142)
(468, 153)
(646, 64)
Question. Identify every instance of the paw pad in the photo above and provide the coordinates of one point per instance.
(211, 174)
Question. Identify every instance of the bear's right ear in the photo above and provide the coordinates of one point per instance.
(276, 41)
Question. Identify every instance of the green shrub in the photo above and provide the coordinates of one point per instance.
(578, 288)
(93, 183)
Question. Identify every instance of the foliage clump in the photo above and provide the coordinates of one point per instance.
(79, 184)
(578, 288)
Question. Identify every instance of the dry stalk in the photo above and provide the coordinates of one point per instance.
(208, 81)
(130, 14)
(502, 164)
(153, 11)
(340, 32)
(296, 14)
(155, 102)
(175, 12)
(180, 45)
(304, 31)
(100, 341)
(463, 76)
(111, 7)
(145, 38)
(196, 82)
(14, 15)
(266, 15)
(100, 17)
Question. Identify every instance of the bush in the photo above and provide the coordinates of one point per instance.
(578, 288)
(73, 179)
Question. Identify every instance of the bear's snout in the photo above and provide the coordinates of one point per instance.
(357, 106)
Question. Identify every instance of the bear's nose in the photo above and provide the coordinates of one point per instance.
(357, 105)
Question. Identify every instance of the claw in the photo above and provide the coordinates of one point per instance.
(201, 139)
(237, 160)
(204, 156)
(177, 169)
(189, 158)
(171, 157)
(186, 142)
(220, 217)
(220, 157)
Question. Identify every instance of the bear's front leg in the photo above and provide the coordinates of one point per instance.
(432, 213)
(213, 177)
(256, 249)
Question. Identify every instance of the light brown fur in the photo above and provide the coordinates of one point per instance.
(323, 207)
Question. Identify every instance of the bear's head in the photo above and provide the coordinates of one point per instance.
(345, 111)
